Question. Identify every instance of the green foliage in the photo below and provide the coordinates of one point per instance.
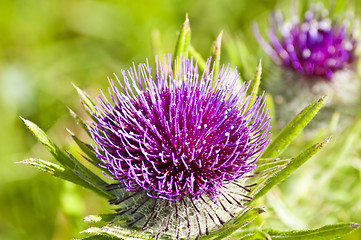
(105, 218)
(183, 41)
(79, 120)
(236, 223)
(327, 232)
(288, 168)
(55, 170)
(87, 103)
(86, 148)
(82, 175)
(292, 129)
(117, 232)
(196, 55)
(99, 237)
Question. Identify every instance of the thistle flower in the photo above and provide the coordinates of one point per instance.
(179, 146)
(311, 49)
(315, 46)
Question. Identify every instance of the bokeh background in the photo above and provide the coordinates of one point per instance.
(46, 45)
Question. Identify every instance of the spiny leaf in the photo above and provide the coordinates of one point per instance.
(79, 120)
(89, 151)
(121, 233)
(261, 178)
(216, 56)
(263, 165)
(327, 232)
(98, 237)
(183, 41)
(100, 218)
(49, 144)
(257, 235)
(283, 173)
(85, 98)
(87, 103)
(86, 148)
(292, 129)
(271, 106)
(60, 172)
(67, 161)
(122, 221)
(201, 63)
(255, 82)
(55, 170)
(324, 233)
(237, 222)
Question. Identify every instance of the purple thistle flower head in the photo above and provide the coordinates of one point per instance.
(176, 140)
(314, 46)
(175, 134)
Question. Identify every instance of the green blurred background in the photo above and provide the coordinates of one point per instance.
(46, 45)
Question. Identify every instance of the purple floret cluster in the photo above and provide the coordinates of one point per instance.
(315, 46)
(175, 133)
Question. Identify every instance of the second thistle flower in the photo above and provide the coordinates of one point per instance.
(316, 55)
(314, 46)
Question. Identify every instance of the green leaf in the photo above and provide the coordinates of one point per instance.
(235, 223)
(121, 221)
(98, 237)
(61, 172)
(257, 235)
(250, 234)
(56, 171)
(86, 148)
(292, 129)
(327, 232)
(283, 173)
(271, 106)
(183, 41)
(201, 63)
(46, 141)
(87, 103)
(254, 85)
(324, 233)
(89, 151)
(96, 183)
(121, 233)
(266, 164)
(79, 120)
(100, 218)
(216, 55)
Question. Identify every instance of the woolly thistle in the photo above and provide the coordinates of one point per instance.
(179, 146)
(315, 46)
(317, 55)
